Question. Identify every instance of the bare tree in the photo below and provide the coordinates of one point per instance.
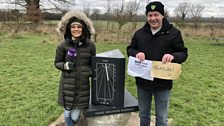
(182, 10)
(108, 11)
(86, 8)
(61, 5)
(95, 15)
(119, 15)
(196, 14)
(132, 8)
(143, 4)
(166, 13)
(147, 1)
(34, 7)
(131, 11)
(221, 8)
(19, 20)
(14, 15)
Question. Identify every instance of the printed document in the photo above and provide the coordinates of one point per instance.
(136, 68)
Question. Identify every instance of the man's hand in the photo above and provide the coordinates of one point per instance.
(140, 56)
(167, 58)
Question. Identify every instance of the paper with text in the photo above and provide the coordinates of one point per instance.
(140, 69)
(168, 71)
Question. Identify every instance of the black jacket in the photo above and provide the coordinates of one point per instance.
(74, 88)
(167, 40)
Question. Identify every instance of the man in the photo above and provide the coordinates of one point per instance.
(156, 40)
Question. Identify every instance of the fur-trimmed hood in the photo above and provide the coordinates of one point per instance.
(61, 29)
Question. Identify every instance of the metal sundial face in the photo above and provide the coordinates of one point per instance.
(105, 79)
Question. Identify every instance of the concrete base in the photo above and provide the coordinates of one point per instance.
(60, 121)
(120, 119)
(124, 119)
(134, 120)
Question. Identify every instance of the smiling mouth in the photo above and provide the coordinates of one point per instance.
(153, 22)
(76, 32)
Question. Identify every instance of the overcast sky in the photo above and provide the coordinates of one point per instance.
(213, 8)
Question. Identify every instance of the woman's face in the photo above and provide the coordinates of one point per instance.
(76, 30)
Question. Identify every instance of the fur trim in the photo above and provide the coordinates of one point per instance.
(61, 29)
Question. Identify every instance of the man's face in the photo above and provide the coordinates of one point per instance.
(155, 19)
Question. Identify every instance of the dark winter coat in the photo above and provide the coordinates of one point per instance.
(166, 41)
(74, 86)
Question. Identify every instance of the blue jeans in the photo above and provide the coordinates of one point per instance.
(71, 116)
(161, 106)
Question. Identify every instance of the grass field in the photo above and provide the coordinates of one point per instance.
(29, 83)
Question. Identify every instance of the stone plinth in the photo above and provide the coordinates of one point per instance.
(124, 119)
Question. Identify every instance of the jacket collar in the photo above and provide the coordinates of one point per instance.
(76, 43)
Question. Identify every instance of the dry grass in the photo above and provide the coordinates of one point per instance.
(203, 32)
(111, 33)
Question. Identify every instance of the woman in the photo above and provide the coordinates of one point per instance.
(73, 58)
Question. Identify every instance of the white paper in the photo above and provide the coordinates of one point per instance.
(139, 69)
